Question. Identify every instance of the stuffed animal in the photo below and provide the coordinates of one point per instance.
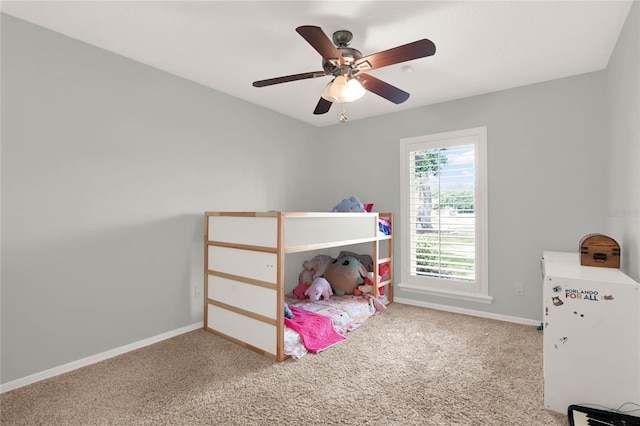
(320, 288)
(351, 204)
(365, 259)
(345, 274)
(367, 287)
(306, 276)
(364, 288)
(314, 268)
(300, 290)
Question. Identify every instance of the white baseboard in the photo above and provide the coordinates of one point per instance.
(464, 311)
(55, 371)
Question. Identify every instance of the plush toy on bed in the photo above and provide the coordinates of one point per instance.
(300, 290)
(345, 274)
(320, 288)
(313, 269)
(351, 204)
(367, 287)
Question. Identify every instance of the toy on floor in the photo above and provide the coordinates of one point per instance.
(319, 288)
(351, 204)
(345, 274)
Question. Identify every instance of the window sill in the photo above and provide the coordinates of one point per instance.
(452, 294)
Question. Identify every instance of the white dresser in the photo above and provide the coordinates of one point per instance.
(591, 334)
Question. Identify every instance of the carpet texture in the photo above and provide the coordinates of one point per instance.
(406, 366)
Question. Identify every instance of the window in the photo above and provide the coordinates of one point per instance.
(444, 214)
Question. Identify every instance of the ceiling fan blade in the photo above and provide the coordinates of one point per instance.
(381, 88)
(323, 106)
(319, 41)
(406, 52)
(287, 78)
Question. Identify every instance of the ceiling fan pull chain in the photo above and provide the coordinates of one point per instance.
(343, 116)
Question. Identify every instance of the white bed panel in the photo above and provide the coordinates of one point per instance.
(256, 231)
(245, 263)
(248, 330)
(260, 300)
(302, 231)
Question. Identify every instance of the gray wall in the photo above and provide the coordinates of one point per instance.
(107, 166)
(622, 208)
(563, 159)
(541, 140)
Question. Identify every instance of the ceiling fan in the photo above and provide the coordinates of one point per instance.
(348, 66)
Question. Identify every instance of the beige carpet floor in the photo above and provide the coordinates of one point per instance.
(407, 366)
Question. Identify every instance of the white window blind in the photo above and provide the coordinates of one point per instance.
(444, 214)
(442, 200)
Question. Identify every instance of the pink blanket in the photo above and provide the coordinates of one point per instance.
(316, 330)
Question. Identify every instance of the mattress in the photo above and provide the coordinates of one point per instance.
(347, 313)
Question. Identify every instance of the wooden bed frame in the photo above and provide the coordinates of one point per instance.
(244, 267)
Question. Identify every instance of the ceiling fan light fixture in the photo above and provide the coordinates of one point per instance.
(343, 89)
(344, 63)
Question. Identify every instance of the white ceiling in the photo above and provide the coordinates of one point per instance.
(482, 46)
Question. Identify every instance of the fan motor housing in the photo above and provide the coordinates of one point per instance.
(342, 38)
(349, 54)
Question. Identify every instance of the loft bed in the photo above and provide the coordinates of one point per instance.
(245, 262)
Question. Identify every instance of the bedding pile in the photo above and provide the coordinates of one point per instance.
(346, 313)
(316, 331)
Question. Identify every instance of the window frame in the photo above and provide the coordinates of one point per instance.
(478, 291)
